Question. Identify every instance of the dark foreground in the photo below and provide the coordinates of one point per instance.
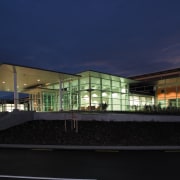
(122, 165)
(95, 133)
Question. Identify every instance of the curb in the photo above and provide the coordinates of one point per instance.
(73, 147)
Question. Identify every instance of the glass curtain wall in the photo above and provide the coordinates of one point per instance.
(85, 91)
(100, 91)
(44, 100)
(138, 102)
(47, 98)
(92, 91)
(69, 95)
(70, 100)
(168, 92)
(10, 107)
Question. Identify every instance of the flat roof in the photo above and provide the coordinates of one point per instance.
(158, 75)
(109, 74)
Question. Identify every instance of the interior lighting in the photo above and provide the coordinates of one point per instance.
(25, 84)
(3, 82)
(38, 80)
(123, 90)
(86, 97)
(94, 95)
(104, 94)
(122, 79)
(95, 103)
(114, 95)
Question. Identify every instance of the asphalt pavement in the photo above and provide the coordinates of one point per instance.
(88, 164)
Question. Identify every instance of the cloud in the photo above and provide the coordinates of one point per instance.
(171, 47)
(170, 55)
(175, 61)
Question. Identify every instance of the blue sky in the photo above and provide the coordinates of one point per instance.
(125, 37)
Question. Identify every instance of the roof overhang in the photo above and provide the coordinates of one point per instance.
(158, 75)
(28, 77)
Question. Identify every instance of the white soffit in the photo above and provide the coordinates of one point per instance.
(28, 77)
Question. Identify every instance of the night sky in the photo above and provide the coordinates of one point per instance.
(124, 37)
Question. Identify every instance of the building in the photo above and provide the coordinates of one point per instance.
(166, 86)
(86, 91)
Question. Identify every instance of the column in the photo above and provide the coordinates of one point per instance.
(15, 88)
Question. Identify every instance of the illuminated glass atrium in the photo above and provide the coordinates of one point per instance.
(49, 91)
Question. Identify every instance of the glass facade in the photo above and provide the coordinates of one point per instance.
(9, 107)
(100, 91)
(92, 91)
(168, 92)
(95, 91)
(87, 91)
(44, 101)
(138, 101)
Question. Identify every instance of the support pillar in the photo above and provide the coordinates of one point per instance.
(15, 88)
